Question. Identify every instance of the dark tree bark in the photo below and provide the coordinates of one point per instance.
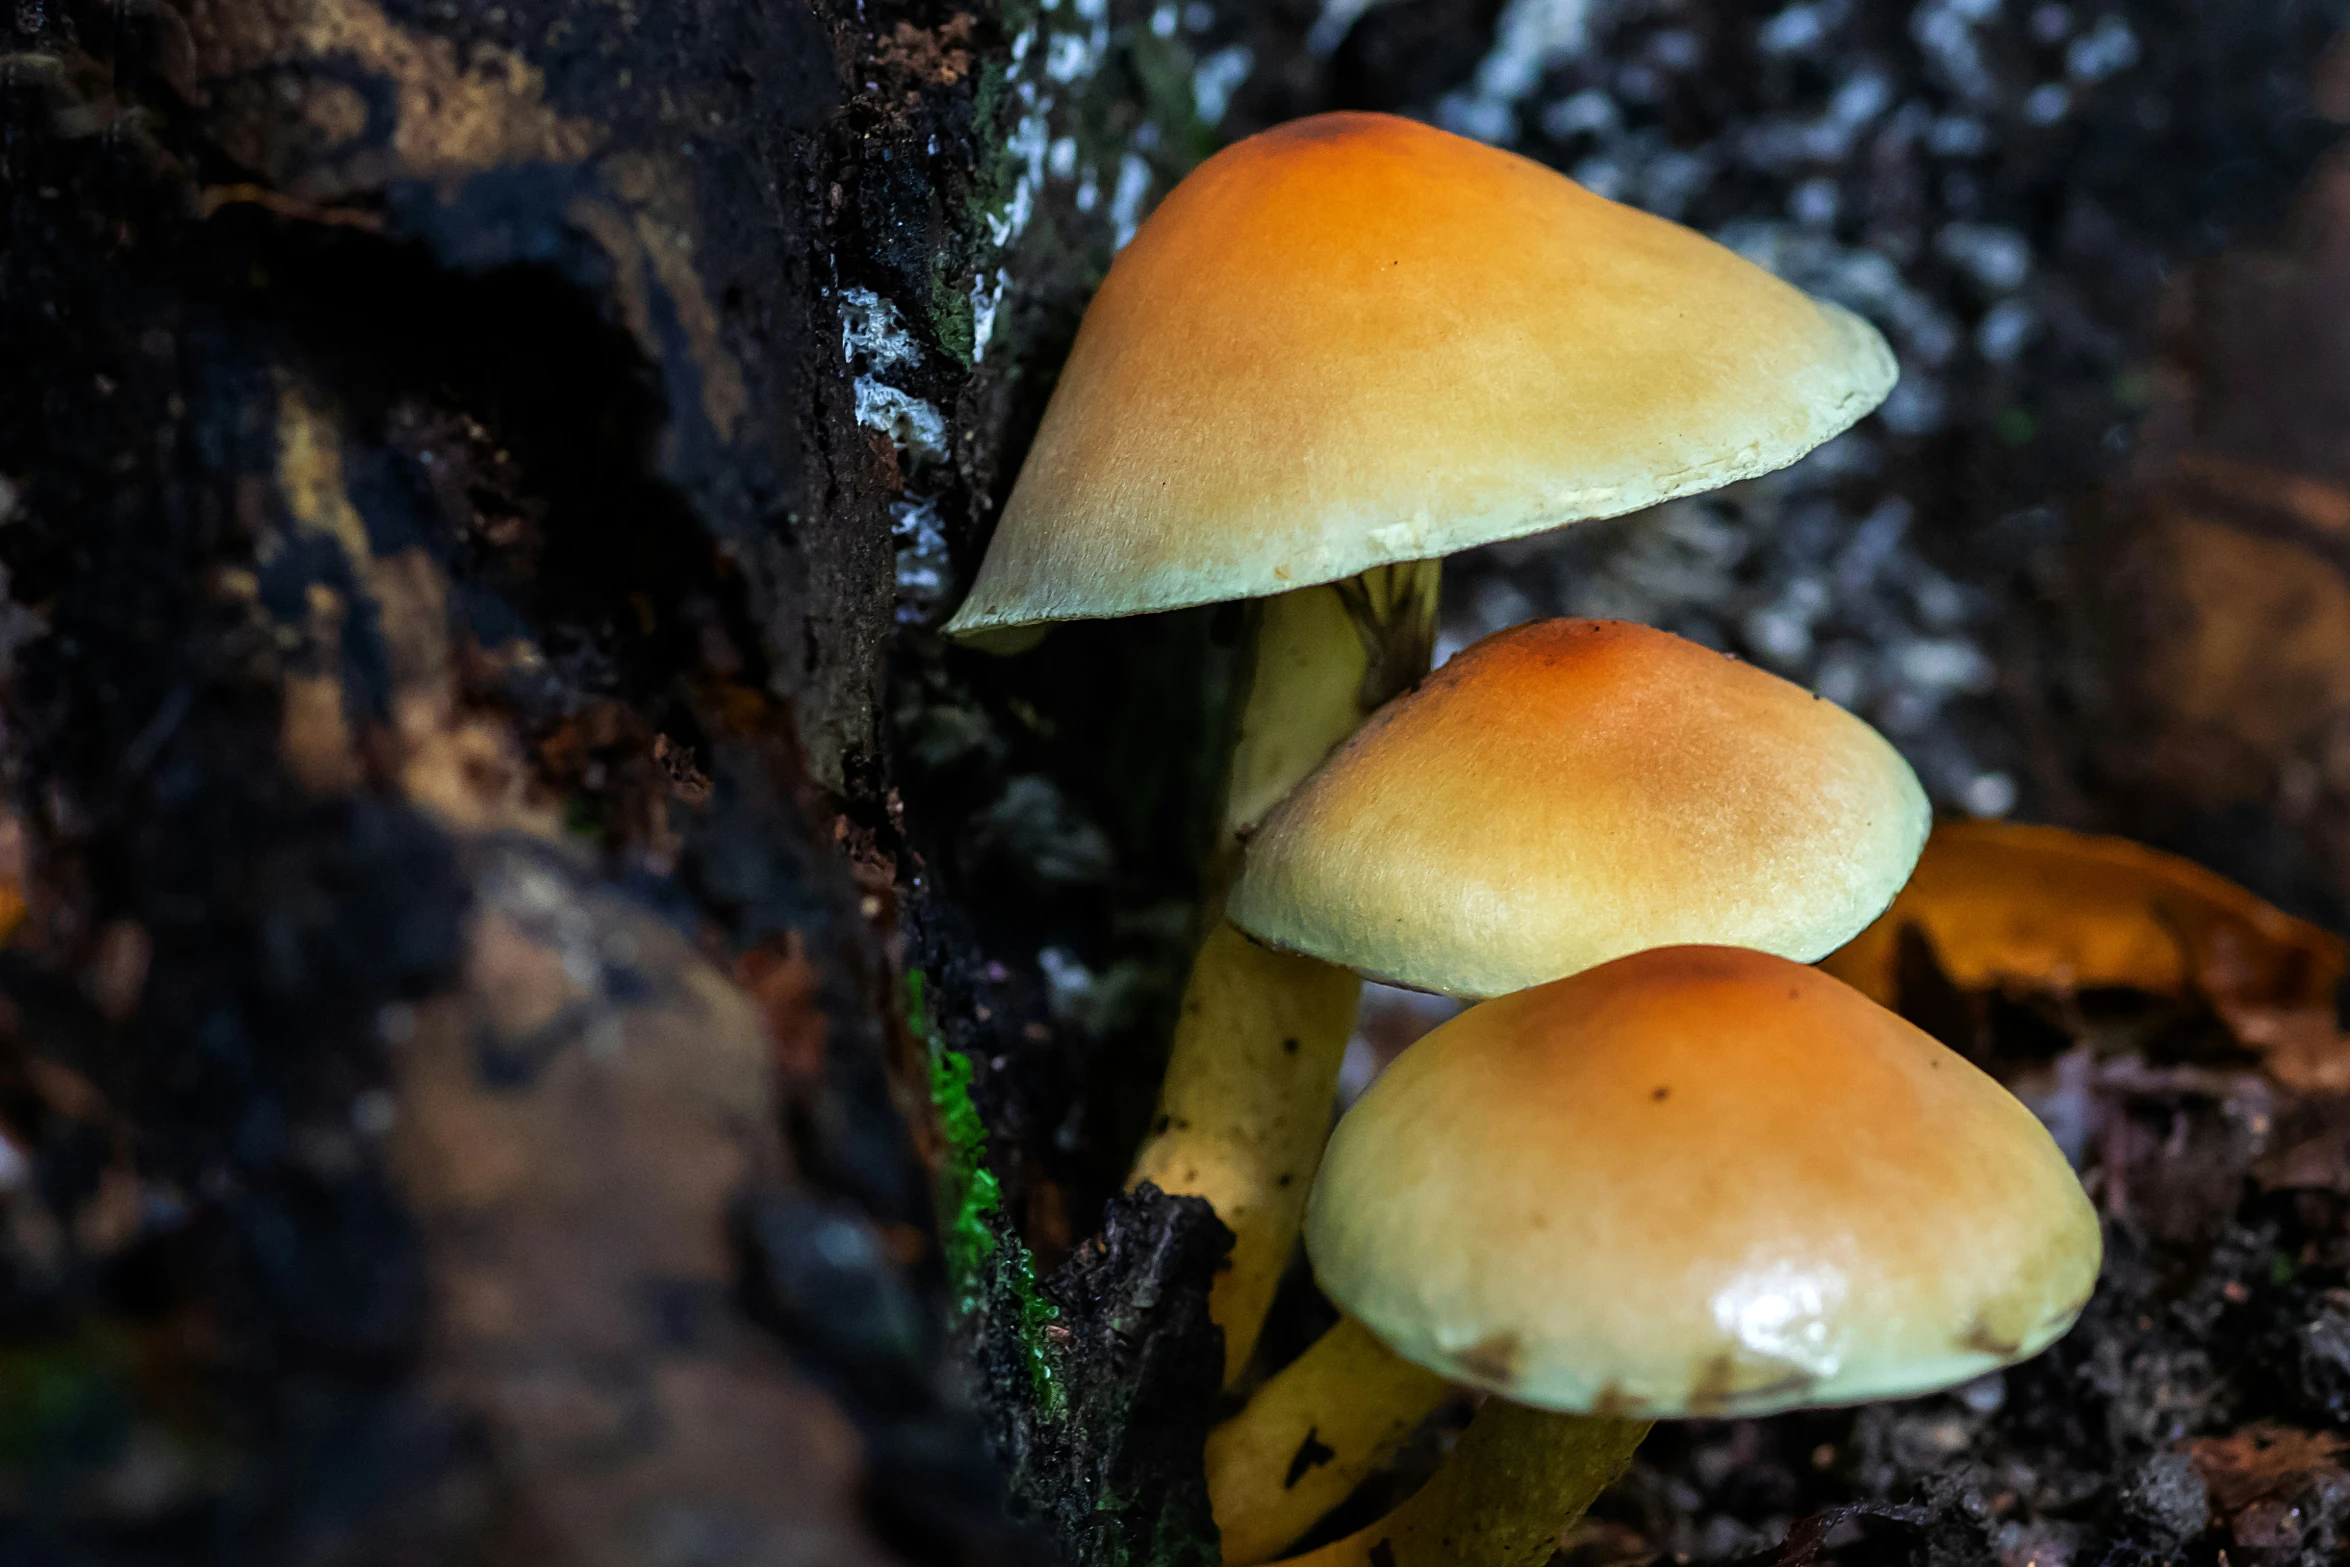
(455, 1043)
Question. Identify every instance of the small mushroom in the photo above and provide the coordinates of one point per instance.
(1568, 791)
(1338, 351)
(1695, 1181)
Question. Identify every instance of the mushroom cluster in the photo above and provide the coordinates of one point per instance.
(1337, 352)
(1670, 1170)
(1680, 833)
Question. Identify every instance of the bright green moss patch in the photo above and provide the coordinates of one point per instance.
(988, 1268)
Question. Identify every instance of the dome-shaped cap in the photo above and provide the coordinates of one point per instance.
(1568, 791)
(1354, 340)
(1698, 1181)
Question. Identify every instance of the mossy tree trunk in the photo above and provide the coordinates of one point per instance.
(470, 476)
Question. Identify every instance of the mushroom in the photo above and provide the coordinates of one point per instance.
(1557, 795)
(1567, 791)
(1695, 1181)
(1338, 351)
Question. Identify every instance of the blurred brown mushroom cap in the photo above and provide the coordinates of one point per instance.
(1355, 340)
(1698, 1181)
(1567, 791)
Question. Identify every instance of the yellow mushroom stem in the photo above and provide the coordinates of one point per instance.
(1245, 1106)
(1320, 1427)
(1513, 1485)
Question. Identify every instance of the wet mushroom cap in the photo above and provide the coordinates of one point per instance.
(1355, 340)
(1567, 791)
(1698, 1181)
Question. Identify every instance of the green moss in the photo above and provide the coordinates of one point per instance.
(988, 1269)
(992, 174)
(952, 321)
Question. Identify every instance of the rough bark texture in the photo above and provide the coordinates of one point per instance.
(455, 462)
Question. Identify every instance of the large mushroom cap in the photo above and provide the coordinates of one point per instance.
(1698, 1181)
(1355, 340)
(1568, 791)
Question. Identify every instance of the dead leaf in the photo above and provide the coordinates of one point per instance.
(2262, 1462)
(2243, 663)
(2047, 909)
(2300, 1047)
(2311, 1151)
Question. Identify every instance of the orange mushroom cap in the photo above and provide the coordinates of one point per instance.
(1355, 340)
(1568, 791)
(1698, 1181)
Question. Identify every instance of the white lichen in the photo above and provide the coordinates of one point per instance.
(1030, 148)
(987, 297)
(872, 334)
(874, 339)
(915, 427)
